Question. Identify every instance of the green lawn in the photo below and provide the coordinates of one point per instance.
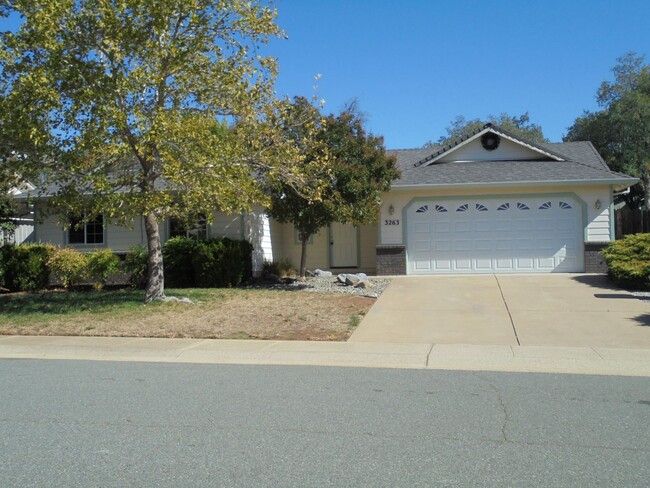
(23, 308)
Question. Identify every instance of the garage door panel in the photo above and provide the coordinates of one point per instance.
(503, 225)
(524, 224)
(483, 245)
(525, 263)
(495, 234)
(503, 264)
(483, 226)
(503, 245)
(567, 263)
(462, 245)
(545, 244)
(442, 264)
(544, 225)
(546, 263)
(524, 244)
(422, 265)
(441, 227)
(442, 245)
(422, 246)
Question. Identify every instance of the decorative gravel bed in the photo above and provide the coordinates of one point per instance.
(328, 285)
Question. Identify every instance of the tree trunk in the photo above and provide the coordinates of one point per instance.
(155, 279)
(303, 254)
(645, 181)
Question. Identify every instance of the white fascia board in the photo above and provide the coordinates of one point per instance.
(501, 134)
(532, 148)
(618, 184)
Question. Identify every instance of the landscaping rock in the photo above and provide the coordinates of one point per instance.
(364, 284)
(352, 280)
(323, 274)
(373, 287)
(341, 278)
(362, 276)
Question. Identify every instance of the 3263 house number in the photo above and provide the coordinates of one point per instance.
(391, 222)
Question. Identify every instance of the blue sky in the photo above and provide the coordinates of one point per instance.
(415, 65)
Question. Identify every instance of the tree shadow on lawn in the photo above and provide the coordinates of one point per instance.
(64, 303)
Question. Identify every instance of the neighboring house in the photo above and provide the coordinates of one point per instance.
(491, 203)
(24, 219)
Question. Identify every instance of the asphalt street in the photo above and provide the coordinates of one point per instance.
(117, 424)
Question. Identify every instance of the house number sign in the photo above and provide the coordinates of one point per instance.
(391, 222)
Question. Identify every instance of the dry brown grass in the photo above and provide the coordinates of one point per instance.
(220, 314)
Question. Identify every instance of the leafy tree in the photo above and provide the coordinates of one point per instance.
(150, 108)
(356, 172)
(7, 211)
(620, 131)
(7, 206)
(460, 128)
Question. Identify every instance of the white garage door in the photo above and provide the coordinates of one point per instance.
(495, 235)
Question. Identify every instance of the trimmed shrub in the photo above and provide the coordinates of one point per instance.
(68, 266)
(206, 264)
(136, 264)
(101, 264)
(628, 260)
(25, 267)
(177, 259)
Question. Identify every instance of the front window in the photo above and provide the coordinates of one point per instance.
(197, 231)
(86, 232)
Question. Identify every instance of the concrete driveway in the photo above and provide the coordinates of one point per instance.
(574, 310)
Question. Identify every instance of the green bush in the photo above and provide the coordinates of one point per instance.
(628, 260)
(68, 266)
(206, 264)
(101, 264)
(25, 267)
(177, 259)
(136, 264)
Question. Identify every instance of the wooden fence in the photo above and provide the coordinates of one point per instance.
(630, 221)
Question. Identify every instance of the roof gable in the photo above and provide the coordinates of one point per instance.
(476, 147)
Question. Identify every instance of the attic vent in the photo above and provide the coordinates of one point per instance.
(490, 141)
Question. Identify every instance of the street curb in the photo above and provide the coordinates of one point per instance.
(570, 360)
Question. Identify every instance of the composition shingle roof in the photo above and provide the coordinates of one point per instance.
(582, 163)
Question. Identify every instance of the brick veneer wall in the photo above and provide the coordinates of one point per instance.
(391, 260)
(594, 261)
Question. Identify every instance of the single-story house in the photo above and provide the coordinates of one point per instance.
(490, 203)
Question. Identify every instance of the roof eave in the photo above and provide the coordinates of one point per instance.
(618, 183)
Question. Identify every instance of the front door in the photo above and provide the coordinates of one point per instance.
(343, 246)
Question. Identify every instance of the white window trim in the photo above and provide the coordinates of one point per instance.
(85, 229)
(188, 231)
